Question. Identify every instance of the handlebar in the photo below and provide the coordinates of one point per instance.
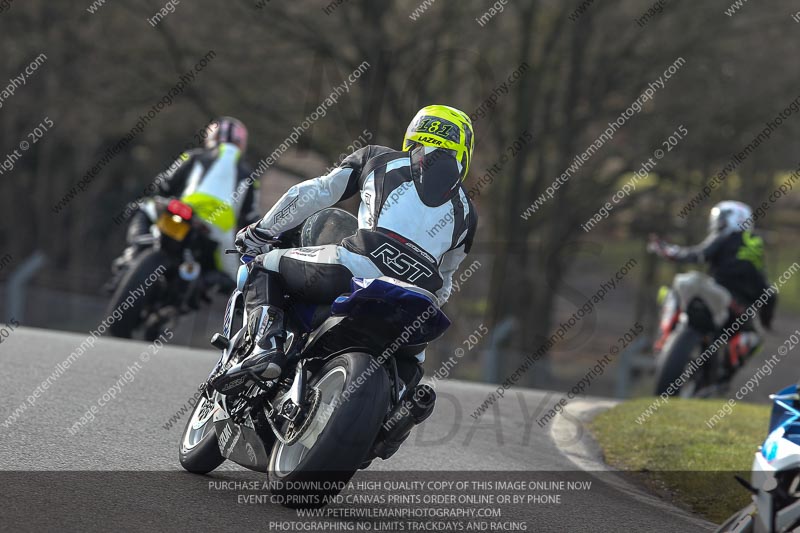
(271, 242)
(247, 257)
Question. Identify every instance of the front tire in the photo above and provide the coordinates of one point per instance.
(680, 348)
(199, 451)
(341, 436)
(145, 265)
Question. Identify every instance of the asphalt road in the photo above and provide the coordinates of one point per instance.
(121, 470)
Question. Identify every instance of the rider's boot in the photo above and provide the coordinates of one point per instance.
(267, 358)
(742, 346)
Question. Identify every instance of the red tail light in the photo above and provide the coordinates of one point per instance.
(176, 207)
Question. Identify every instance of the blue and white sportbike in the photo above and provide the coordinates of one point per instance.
(775, 480)
(340, 402)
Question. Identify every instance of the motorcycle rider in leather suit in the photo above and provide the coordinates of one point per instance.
(415, 224)
(217, 184)
(735, 257)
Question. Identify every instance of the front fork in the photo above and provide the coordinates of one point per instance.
(668, 317)
(288, 405)
(228, 345)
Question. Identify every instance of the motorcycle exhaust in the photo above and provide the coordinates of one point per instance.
(423, 398)
(402, 420)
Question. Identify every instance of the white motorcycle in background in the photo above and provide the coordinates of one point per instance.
(775, 480)
(693, 311)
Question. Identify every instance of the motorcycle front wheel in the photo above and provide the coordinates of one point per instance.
(199, 451)
(681, 347)
(133, 282)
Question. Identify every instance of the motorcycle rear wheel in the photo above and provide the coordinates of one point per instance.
(339, 438)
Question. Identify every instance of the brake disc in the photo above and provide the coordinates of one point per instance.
(293, 434)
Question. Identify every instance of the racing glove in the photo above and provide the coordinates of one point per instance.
(661, 248)
(252, 240)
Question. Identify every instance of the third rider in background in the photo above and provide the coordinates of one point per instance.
(735, 257)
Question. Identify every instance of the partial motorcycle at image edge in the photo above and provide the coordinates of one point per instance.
(340, 402)
(694, 312)
(166, 273)
(775, 478)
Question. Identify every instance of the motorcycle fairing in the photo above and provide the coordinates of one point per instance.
(394, 306)
(693, 285)
(240, 442)
(777, 456)
(784, 429)
(670, 313)
(380, 312)
(305, 314)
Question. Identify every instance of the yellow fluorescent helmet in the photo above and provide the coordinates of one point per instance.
(441, 126)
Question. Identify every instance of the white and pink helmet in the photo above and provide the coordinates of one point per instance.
(226, 130)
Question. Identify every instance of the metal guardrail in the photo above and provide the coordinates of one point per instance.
(634, 360)
(18, 282)
(491, 355)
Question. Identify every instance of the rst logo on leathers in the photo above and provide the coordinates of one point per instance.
(401, 263)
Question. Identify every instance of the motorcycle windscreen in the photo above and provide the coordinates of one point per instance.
(327, 226)
(397, 311)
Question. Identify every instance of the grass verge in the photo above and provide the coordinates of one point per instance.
(679, 456)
